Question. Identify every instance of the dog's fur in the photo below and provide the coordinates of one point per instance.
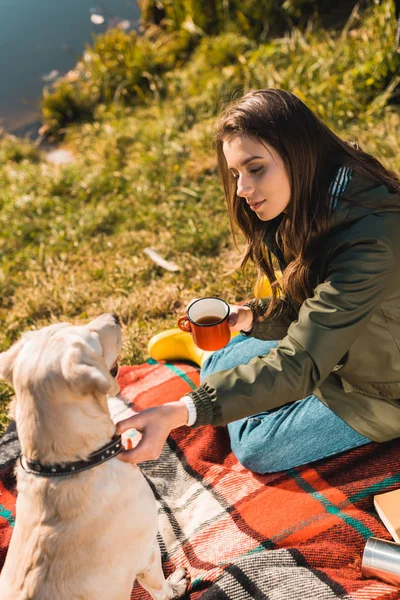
(85, 536)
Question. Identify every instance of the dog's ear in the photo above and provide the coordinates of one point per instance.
(7, 361)
(85, 371)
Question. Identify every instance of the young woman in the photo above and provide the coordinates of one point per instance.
(316, 370)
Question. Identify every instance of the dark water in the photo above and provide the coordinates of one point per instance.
(38, 37)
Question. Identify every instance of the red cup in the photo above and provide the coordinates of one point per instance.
(207, 320)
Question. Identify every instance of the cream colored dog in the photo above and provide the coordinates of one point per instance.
(89, 534)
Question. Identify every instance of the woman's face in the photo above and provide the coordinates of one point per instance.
(260, 175)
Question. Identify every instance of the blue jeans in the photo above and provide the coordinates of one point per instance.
(285, 437)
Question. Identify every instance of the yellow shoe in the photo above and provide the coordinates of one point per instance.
(175, 344)
(262, 288)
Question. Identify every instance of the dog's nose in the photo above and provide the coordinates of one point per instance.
(116, 319)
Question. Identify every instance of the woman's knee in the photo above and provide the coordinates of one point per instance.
(239, 351)
(250, 446)
(248, 460)
(255, 462)
(213, 364)
(274, 441)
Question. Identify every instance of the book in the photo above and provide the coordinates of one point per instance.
(388, 508)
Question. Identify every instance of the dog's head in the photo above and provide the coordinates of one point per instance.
(57, 368)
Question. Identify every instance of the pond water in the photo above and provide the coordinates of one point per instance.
(43, 39)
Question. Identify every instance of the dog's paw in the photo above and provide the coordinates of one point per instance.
(179, 582)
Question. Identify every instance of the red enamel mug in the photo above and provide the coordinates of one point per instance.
(207, 320)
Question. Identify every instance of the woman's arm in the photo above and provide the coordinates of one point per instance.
(361, 272)
(271, 327)
(251, 320)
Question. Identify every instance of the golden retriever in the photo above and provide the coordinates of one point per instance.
(85, 535)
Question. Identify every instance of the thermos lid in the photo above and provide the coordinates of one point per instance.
(368, 554)
(381, 559)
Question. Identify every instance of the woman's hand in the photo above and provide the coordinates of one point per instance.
(240, 318)
(155, 424)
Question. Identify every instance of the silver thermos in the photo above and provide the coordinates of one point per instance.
(381, 559)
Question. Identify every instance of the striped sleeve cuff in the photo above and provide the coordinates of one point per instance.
(192, 412)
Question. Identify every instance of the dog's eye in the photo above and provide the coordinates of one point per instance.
(114, 370)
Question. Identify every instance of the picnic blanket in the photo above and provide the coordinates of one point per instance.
(297, 534)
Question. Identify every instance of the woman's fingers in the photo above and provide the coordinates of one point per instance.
(155, 425)
(149, 447)
(133, 422)
(233, 318)
(240, 318)
(143, 451)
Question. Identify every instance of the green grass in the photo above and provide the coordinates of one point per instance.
(145, 176)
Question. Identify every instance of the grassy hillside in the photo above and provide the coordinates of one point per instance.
(144, 175)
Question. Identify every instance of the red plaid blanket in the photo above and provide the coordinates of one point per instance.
(298, 534)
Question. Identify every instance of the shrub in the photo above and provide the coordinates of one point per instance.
(342, 77)
(253, 18)
(119, 68)
(17, 150)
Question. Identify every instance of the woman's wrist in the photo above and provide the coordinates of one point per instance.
(250, 307)
(177, 413)
(249, 319)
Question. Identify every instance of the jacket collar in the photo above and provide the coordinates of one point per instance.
(361, 197)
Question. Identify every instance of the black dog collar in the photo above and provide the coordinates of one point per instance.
(108, 451)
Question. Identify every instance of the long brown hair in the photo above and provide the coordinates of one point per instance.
(311, 153)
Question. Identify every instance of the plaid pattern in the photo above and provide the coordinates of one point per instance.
(298, 534)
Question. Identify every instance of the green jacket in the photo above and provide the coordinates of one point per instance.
(345, 344)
